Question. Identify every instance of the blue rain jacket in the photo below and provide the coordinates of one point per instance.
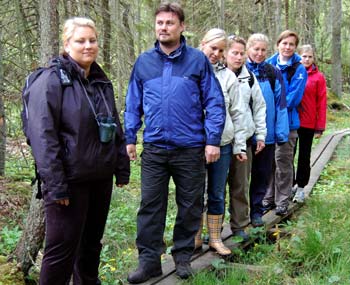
(276, 106)
(294, 88)
(179, 97)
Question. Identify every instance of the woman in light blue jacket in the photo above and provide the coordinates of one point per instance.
(271, 84)
(294, 78)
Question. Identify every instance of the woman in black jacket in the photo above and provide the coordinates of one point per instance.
(78, 145)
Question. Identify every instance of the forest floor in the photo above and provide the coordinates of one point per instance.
(14, 195)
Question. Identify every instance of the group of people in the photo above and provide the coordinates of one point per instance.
(230, 104)
(219, 114)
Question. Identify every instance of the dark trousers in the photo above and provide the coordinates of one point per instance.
(74, 233)
(187, 168)
(260, 178)
(305, 143)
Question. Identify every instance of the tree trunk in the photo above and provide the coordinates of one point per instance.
(222, 15)
(310, 22)
(2, 112)
(336, 83)
(33, 235)
(286, 10)
(106, 51)
(49, 35)
(128, 34)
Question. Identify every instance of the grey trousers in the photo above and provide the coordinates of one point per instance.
(281, 183)
(238, 181)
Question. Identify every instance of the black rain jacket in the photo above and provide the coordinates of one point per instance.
(64, 134)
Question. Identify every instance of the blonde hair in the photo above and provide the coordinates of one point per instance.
(257, 38)
(307, 48)
(71, 24)
(214, 35)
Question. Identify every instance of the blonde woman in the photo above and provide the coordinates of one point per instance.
(213, 45)
(312, 113)
(75, 163)
(271, 84)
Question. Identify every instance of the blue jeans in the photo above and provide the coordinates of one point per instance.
(217, 175)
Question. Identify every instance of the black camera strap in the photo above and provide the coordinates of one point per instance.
(90, 103)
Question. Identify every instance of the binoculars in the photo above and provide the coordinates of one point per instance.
(106, 128)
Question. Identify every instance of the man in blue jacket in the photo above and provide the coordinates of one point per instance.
(173, 87)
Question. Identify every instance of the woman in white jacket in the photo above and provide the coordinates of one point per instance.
(233, 139)
(254, 119)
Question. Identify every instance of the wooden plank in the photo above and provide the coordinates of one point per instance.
(203, 259)
(321, 155)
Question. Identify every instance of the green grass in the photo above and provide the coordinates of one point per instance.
(317, 251)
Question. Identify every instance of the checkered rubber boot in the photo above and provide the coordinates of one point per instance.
(214, 224)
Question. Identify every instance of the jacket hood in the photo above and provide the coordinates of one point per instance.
(218, 66)
(312, 69)
(256, 67)
(274, 60)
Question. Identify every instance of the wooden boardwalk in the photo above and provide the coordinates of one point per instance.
(319, 158)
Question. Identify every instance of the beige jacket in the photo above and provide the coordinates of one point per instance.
(235, 130)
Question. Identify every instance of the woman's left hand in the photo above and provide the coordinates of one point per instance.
(259, 146)
(64, 202)
(318, 135)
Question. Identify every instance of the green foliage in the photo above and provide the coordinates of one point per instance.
(8, 239)
(19, 168)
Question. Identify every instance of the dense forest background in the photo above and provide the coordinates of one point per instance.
(127, 28)
(30, 29)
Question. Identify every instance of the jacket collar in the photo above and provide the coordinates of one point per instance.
(176, 53)
(73, 68)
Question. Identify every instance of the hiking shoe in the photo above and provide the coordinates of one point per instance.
(267, 205)
(142, 275)
(184, 269)
(299, 196)
(242, 234)
(257, 221)
(281, 210)
(293, 190)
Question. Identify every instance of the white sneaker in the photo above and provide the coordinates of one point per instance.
(299, 196)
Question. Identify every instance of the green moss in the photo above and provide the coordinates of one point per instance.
(10, 273)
